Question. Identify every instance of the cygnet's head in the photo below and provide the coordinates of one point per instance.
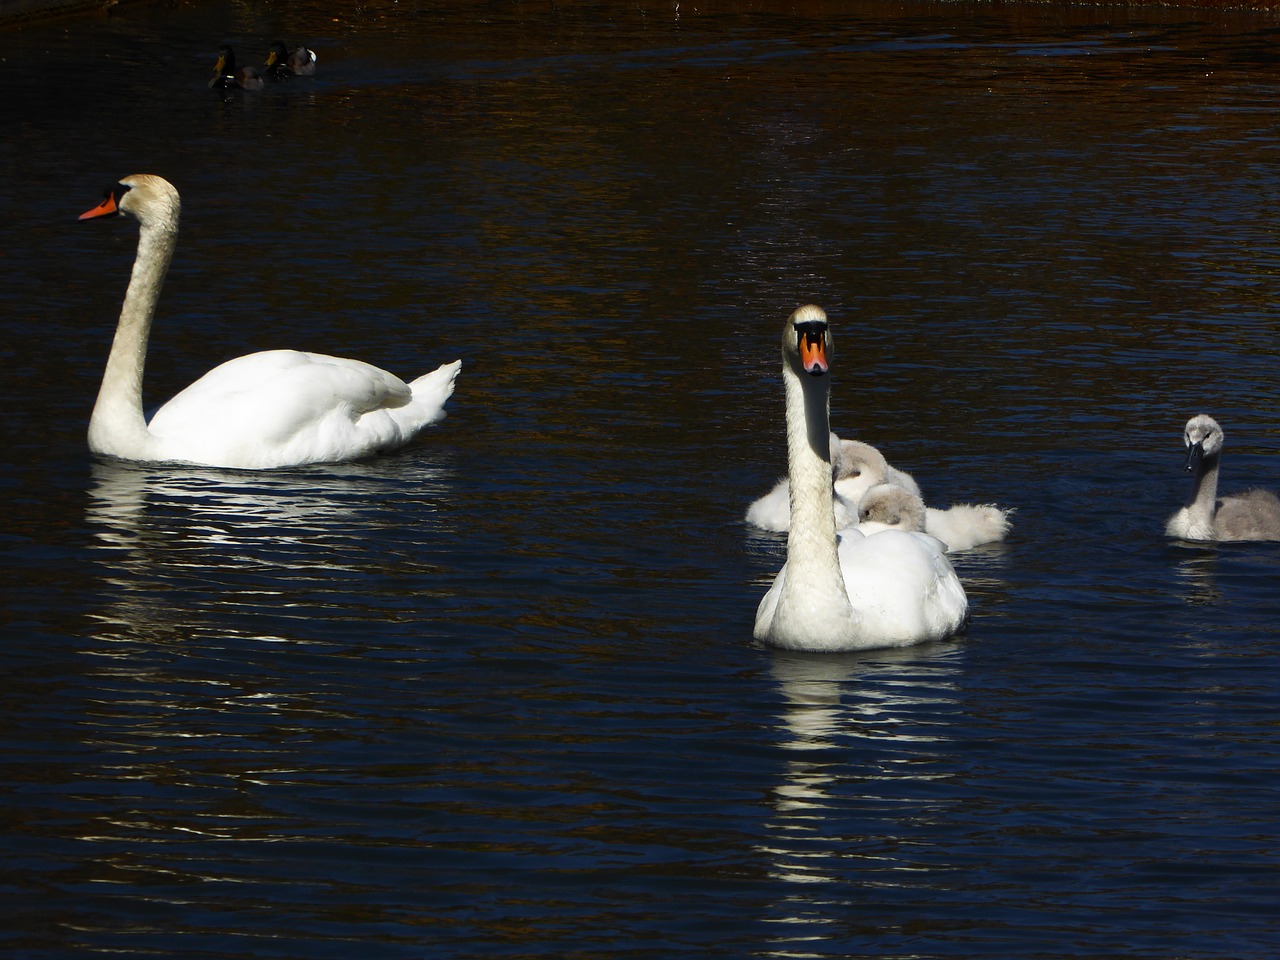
(1203, 438)
(857, 460)
(806, 341)
(887, 506)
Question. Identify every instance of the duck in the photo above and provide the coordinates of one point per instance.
(281, 64)
(272, 409)
(846, 591)
(227, 76)
(1252, 515)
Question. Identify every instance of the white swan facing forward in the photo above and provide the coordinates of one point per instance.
(1252, 515)
(889, 589)
(277, 408)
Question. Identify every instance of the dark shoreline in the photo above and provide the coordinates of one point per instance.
(19, 12)
(14, 12)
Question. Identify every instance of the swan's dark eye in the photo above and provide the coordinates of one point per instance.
(855, 472)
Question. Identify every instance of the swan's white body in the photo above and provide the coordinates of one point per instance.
(277, 408)
(854, 591)
(1252, 515)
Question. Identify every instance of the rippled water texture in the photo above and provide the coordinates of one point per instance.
(496, 695)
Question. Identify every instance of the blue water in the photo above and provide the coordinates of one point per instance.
(496, 695)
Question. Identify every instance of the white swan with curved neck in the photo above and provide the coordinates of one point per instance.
(277, 408)
(850, 592)
(1252, 515)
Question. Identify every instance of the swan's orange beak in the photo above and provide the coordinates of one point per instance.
(104, 209)
(813, 353)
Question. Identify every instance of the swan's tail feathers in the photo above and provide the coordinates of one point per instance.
(431, 390)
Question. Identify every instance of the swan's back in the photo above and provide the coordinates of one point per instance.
(1252, 515)
(285, 407)
(903, 587)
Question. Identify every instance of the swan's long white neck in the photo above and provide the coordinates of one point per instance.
(117, 426)
(814, 580)
(1204, 495)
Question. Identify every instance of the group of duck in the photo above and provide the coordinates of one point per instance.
(280, 65)
(867, 562)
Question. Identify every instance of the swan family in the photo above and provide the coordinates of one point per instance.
(277, 408)
(850, 590)
(866, 562)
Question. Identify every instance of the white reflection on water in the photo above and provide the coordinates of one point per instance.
(201, 571)
(858, 729)
(1198, 576)
(238, 543)
(228, 507)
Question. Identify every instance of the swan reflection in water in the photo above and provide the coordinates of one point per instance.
(236, 541)
(1197, 574)
(231, 612)
(864, 734)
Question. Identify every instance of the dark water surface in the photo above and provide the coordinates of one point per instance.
(496, 695)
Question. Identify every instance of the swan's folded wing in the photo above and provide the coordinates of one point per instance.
(768, 606)
(277, 407)
(288, 382)
(1251, 515)
(903, 587)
